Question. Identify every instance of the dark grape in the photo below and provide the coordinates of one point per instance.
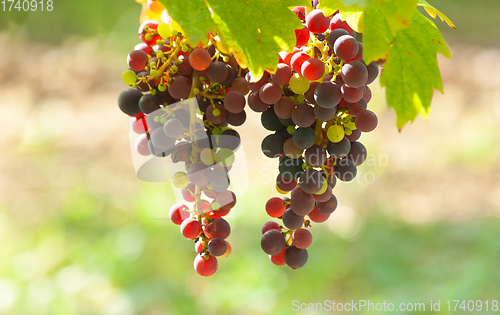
(315, 156)
(164, 97)
(311, 181)
(180, 87)
(354, 74)
(234, 102)
(285, 184)
(291, 220)
(324, 114)
(128, 101)
(272, 242)
(366, 120)
(351, 94)
(217, 246)
(372, 72)
(236, 119)
(290, 168)
(328, 206)
(256, 104)
(295, 257)
(340, 149)
(270, 225)
(270, 93)
(357, 153)
(284, 107)
(214, 109)
(282, 75)
(272, 145)
(327, 94)
(232, 73)
(149, 103)
(324, 196)
(297, 60)
(334, 35)
(337, 23)
(303, 115)
(345, 170)
(217, 72)
(301, 202)
(309, 95)
(304, 138)
(355, 108)
(302, 238)
(255, 86)
(222, 228)
(240, 86)
(283, 132)
(346, 47)
(270, 121)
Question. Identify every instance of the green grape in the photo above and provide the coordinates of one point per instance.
(335, 133)
(207, 156)
(162, 87)
(290, 129)
(348, 131)
(160, 54)
(225, 157)
(301, 98)
(180, 180)
(129, 77)
(165, 30)
(299, 84)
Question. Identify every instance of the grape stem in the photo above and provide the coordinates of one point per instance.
(319, 132)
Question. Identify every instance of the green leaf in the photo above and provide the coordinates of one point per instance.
(411, 71)
(194, 18)
(432, 11)
(253, 30)
(256, 30)
(379, 21)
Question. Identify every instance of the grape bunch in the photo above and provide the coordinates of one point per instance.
(316, 106)
(182, 100)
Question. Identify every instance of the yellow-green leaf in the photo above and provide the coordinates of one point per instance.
(411, 71)
(432, 11)
(253, 30)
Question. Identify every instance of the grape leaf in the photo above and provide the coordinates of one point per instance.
(432, 11)
(378, 21)
(194, 18)
(411, 71)
(253, 30)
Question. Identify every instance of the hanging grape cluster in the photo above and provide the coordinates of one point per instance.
(316, 105)
(165, 73)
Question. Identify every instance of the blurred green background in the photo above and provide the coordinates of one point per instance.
(80, 234)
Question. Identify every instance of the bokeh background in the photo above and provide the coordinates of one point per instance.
(80, 234)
